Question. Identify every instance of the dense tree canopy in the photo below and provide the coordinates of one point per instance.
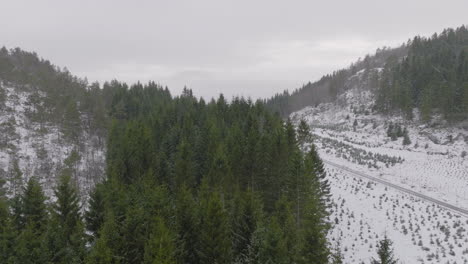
(187, 182)
(432, 77)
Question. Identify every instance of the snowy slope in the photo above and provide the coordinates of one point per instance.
(40, 148)
(364, 212)
(349, 133)
(435, 163)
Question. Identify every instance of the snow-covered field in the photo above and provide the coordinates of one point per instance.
(40, 148)
(435, 163)
(364, 212)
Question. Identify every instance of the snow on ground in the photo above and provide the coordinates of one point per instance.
(349, 133)
(435, 163)
(364, 212)
(40, 148)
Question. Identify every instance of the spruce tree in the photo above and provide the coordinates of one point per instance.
(94, 216)
(107, 247)
(315, 223)
(273, 248)
(246, 214)
(187, 226)
(32, 221)
(100, 253)
(7, 232)
(215, 241)
(385, 253)
(16, 177)
(66, 231)
(34, 210)
(184, 168)
(219, 174)
(406, 139)
(303, 133)
(160, 248)
(71, 121)
(290, 229)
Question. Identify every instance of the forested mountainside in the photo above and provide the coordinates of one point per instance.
(51, 123)
(330, 86)
(433, 76)
(187, 182)
(426, 73)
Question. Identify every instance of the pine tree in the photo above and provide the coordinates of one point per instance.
(16, 177)
(385, 253)
(315, 225)
(245, 217)
(298, 184)
(406, 139)
(316, 170)
(71, 121)
(187, 226)
(303, 133)
(100, 253)
(34, 210)
(390, 130)
(399, 131)
(66, 231)
(107, 245)
(261, 178)
(290, 228)
(28, 246)
(184, 168)
(290, 134)
(220, 174)
(160, 248)
(273, 248)
(95, 214)
(7, 232)
(215, 242)
(31, 218)
(426, 105)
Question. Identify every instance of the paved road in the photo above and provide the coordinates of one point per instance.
(451, 207)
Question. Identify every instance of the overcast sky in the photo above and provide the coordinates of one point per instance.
(252, 48)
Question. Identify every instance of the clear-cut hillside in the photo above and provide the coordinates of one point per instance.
(433, 162)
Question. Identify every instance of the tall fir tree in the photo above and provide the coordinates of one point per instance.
(66, 237)
(215, 241)
(95, 214)
(160, 247)
(187, 226)
(385, 253)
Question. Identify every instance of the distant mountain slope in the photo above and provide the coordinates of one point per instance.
(432, 77)
(426, 73)
(330, 86)
(428, 157)
(50, 121)
(36, 146)
(412, 153)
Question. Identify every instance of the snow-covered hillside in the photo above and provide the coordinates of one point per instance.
(40, 148)
(435, 163)
(364, 212)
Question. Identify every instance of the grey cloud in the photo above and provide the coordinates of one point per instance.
(253, 48)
